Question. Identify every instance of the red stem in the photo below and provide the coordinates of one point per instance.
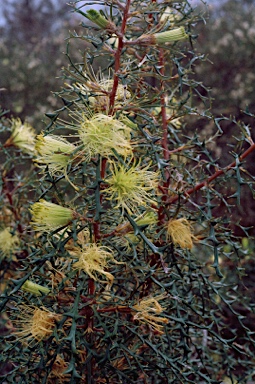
(117, 57)
(214, 176)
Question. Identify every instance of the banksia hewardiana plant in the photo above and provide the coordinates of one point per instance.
(111, 224)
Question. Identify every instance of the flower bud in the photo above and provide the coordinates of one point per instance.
(99, 20)
(34, 288)
(163, 37)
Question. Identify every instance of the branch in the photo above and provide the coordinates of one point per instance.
(117, 57)
(213, 177)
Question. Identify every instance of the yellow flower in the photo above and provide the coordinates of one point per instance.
(35, 324)
(94, 259)
(55, 152)
(8, 242)
(49, 217)
(131, 187)
(103, 135)
(34, 288)
(22, 136)
(179, 231)
(147, 311)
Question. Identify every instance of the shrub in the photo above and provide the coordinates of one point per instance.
(107, 256)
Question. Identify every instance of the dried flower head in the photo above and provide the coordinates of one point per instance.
(179, 231)
(131, 186)
(55, 152)
(49, 216)
(8, 242)
(147, 311)
(35, 324)
(22, 136)
(58, 371)
(103, 135)
(103, 88)
(94, 259)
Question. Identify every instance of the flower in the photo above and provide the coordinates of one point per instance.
(22, 136)
(130, 187)
(93, 259)
(34, 288)
(179, 231)
(103, 135)
(147, 311)
(8, 242)
(35, 324)
(55, 152)
(49, 216)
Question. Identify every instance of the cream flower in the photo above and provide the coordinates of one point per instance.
(49, 217)
(22, 136)
(94, 259)
(103, 135)
(35, 324)
(131, 186)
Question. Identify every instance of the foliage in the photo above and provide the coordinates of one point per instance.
(116, 257)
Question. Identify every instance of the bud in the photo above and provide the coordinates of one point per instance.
(170, 36)
(163, 37)
(100, 20)
(34, 288)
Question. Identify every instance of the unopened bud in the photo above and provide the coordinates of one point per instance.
(34, 288)
(100, 20)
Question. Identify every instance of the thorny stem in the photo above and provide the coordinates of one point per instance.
(213, 177)
(118, 56)
(164, 140)
(9, 194)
